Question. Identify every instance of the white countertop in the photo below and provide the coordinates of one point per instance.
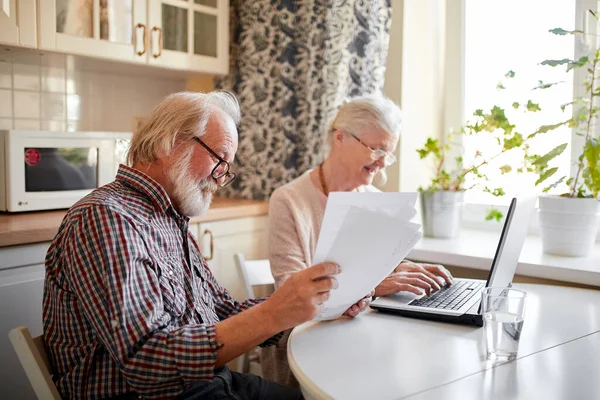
(476, 249)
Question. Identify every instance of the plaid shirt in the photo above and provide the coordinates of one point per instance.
(129, 302)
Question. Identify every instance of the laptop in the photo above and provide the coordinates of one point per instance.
(460, 302)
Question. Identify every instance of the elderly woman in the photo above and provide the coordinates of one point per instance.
(362, 138)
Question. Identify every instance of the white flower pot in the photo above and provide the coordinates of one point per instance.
(441, 213)
(568, 225)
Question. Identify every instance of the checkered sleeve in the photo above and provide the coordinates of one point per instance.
(113, 277)
(226, 306)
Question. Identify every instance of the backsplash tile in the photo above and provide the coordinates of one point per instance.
(6, 123)
(6, 108)
(26, 104)
(26, 77)
(27, 124)
(53, 106)
(53, 80)
(5, 75)
(50, 92)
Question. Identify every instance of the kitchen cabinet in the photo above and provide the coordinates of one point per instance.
(220, 240)
(112, 30)
(18, 22)
(21, 291)
(188, 35)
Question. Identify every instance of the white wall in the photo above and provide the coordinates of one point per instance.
(57, 92)
(415, 80)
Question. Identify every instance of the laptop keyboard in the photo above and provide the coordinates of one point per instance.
(450, 297)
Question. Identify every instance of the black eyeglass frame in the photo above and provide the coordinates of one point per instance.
(229, 176)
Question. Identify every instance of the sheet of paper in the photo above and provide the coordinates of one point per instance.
(368, 246)
(338, 204)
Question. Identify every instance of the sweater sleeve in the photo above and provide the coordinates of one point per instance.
(286, 244)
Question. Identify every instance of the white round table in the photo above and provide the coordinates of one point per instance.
(383, 356)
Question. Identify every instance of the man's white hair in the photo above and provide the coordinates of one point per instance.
(359, 114)
(178, 116)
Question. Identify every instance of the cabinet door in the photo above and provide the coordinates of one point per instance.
(21, 292)
(97, 28)
(17, 22)
(190, 34)
(241, 235)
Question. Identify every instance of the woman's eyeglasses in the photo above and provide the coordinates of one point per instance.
(221, 170)
(377, 154)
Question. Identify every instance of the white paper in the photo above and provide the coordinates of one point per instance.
(370, 241)
(338, 204)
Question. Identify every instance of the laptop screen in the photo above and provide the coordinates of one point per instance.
(511, 242)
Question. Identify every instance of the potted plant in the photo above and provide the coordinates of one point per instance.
(569, 222)
(442, 199)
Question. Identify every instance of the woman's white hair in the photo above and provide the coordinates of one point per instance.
(360, 114)
(178, 116)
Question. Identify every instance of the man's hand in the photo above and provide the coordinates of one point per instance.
(360, 305)
(301, 297)
(415, 278)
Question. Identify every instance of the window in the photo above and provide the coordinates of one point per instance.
(512, 35)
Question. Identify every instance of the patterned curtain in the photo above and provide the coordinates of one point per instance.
(293, 62)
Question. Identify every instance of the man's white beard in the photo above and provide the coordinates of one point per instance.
(192, 197)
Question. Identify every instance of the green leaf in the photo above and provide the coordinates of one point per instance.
(591, 174)
(570, 63)
(579, 63)
(562, 32)
(495, 214)
(510, 74)
(545, 175)
(556, 63)
(515, 140)
(500, 86)
(515, 105)
(533, 107)
(547, 128)
(542, 85)
(578, 102)
(505, 169)
(543, 160)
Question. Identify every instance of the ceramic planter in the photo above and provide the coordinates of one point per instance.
(568, 225)
(441, 213)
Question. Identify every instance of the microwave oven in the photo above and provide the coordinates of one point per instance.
(44, 170)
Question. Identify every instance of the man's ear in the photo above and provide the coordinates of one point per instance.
(338, 136)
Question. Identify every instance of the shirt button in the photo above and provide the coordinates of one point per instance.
(114, 323)
(171, 272)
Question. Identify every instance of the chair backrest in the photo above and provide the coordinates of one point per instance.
(34, 359)
(255, 272)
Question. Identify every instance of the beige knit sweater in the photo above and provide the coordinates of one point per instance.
(296, 211)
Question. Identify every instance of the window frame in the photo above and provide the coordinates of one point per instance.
(474, 213)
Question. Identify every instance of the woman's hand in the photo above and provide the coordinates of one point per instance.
(360, 305)
(415, 278)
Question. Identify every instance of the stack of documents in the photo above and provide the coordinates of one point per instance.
(367, 235)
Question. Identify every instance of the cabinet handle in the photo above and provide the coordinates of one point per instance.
(212, 245)
(145, 39)
(160, 41)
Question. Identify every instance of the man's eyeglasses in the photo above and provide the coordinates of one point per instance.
(377, 154)
(221, 170)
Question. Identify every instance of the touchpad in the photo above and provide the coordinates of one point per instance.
(396, 299)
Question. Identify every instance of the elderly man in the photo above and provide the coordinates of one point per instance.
(130, 308)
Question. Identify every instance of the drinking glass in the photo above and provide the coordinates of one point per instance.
(503, 316)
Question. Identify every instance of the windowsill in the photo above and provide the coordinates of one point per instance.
(475, 249)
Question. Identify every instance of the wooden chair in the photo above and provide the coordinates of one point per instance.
(34, 359)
